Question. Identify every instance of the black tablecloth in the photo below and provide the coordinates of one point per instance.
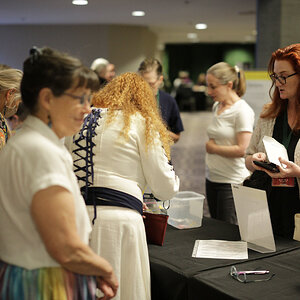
(175, 274)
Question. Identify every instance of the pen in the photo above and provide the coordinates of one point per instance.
(255, 272)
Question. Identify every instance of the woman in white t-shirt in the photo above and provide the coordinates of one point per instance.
(229, 135)
(44, 225)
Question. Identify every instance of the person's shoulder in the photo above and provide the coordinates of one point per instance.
(165, 96)
(244, 106)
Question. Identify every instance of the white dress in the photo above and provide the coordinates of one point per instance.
(118, 233)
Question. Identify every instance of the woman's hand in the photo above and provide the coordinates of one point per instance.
(108, 286)
(259, 156)
(291, 170)
(210, 146)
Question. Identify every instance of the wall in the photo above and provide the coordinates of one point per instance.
(129, 45)
(125, 46)
(277, 26)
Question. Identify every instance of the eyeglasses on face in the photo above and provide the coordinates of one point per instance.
(241, 276)
(82, 99)
(281, 79)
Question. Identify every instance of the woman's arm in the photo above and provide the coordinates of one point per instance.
(238, 150)
(53, 212)
(174, 136)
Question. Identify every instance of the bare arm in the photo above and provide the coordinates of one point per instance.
(238, 150)
(174, 136)
(53, 212)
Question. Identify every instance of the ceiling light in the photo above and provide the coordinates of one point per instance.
(138, 13)
(192, 35)
(80, 2)
(201, 26)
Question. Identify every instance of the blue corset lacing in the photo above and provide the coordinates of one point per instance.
(86, 154)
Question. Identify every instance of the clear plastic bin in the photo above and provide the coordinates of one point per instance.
(186, 210)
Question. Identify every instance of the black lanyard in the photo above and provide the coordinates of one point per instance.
(286, 138)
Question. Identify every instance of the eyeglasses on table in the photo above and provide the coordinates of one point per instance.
(243, 276)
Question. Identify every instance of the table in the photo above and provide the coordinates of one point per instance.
(177, 275)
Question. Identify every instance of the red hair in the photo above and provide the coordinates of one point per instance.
(291, 54)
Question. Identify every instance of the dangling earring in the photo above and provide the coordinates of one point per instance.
(49, 122)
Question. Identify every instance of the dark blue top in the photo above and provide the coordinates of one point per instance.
(170, 112)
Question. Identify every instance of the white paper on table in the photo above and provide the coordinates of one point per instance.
(274, 150)
(220, 249)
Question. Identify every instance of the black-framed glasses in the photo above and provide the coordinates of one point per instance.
(281, 79)
(243, 276)
(82, 99)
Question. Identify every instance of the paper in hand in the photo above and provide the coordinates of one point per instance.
(274, 150)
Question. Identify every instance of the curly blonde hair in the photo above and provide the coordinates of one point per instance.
(130, 93)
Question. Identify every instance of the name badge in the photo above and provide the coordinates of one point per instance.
(283, 182)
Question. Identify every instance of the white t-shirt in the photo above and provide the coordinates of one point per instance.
(126, 166)
(32, 160)
(223, 129)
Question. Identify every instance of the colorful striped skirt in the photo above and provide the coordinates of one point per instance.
(44, 284)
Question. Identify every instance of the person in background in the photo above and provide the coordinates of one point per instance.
(151, 70)
(4, 67)
(199, 91)
(183, 79)
(9, 100)
(44, 225)
(99, 66)
(281, 119)
(122, 148)
(110, 72)
(15, 121)
(229, 135)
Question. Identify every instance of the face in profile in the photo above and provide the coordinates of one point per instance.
(286, 80)
(110, 72)
(217, 91)
(68, 111)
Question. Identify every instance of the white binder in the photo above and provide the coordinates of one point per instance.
(253, 216)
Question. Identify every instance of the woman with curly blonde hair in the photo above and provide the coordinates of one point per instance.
(122, 147)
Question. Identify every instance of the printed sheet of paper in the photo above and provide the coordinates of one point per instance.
(274, 150)
(220, 249)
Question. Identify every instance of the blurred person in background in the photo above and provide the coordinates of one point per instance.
(110, 72)
(99, 66)
(10, 98)
(151, 70)
(16, 120)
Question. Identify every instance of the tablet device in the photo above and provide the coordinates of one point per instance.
(267, 165)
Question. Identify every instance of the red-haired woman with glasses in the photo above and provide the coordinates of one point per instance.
(281, 119)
